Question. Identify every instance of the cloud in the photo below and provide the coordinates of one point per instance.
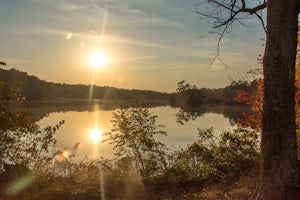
(37, 31)
(69, 6)
(93, 36)
(133, 58)
(136, 14)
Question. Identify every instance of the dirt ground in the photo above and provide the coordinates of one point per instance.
(227, 189)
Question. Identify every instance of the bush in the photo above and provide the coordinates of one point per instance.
(133, 136)
(210, 157)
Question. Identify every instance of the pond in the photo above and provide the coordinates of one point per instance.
(85, 124)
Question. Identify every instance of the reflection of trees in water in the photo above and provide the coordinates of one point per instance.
(232, 112)
(42, 109)
(186, 114)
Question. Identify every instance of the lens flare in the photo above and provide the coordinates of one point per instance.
(61, 157)
(66, 154)
(69, 36)
(19, 185)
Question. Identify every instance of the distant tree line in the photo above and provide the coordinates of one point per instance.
(34, 89)
(188, 95)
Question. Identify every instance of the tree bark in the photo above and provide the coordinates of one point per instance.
(279, 169)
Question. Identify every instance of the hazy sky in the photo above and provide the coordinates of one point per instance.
(150, 44)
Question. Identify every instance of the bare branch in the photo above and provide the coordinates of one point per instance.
(262, 21)
(224, 13)
(231, 19)
(217, 56)
(234, 7)
(255, 9)
(221, 5)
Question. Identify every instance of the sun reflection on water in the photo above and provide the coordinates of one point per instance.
(96, 135)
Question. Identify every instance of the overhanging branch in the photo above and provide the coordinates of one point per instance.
(255, 9)
(224, 13)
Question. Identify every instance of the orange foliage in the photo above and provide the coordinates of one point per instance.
(254, 98)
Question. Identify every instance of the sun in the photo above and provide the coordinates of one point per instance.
(96, 135)
(97, 59)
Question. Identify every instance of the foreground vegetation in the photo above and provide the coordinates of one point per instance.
(143, 168)
(204, 164)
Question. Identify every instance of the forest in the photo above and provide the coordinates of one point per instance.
(34, 89)
(188, 95)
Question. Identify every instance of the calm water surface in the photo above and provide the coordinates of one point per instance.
(79, 124)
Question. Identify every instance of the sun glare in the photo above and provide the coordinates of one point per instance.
(96, 135)
(97, 59)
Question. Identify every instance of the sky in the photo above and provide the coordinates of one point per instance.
(148, 44)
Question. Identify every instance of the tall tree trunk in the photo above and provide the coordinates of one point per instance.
(279, 171)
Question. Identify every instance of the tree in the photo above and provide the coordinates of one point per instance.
(230, 92)
(23, 145)
(21, 140)
(279, 168)
(134, 135)
(182, 86)
(189, 95)
(253, 98)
